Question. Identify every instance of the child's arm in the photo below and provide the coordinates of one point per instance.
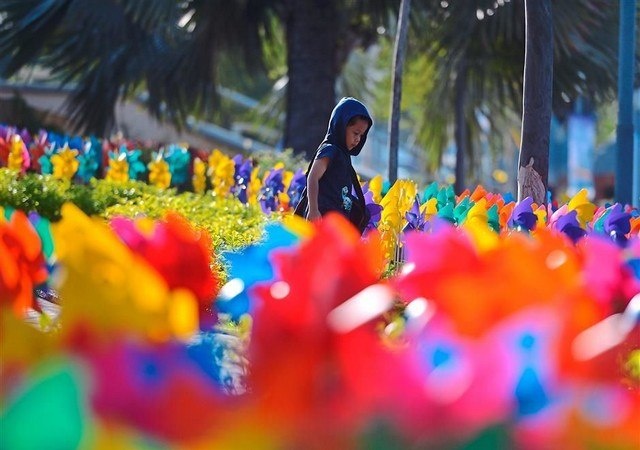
(318, 168)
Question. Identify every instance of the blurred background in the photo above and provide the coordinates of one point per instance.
(252, 75)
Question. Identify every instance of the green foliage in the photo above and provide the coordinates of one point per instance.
(45, 195)
(41, 193)
(230, 224)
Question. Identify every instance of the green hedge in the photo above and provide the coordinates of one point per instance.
(231, 224)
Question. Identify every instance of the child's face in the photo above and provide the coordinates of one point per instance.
(355, 132)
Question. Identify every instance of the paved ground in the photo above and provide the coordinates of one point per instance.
(49, 308)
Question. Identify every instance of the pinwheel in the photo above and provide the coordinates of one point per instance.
(89, 160)
(199, 178)
(375, 186)
(415, 218)
(295, 187)
(272, 186)
(522, 217)
(221, 173)
(136, 166)
(617, 224)
(65, 163)
(178, 158)
(22, 261)
(583, 207)
(127, 293)
(179, 253)
(396, 201)
(118, 168)
(569, 225)
(242, 177)
(159, 172)
(375, 210)
(18, 158)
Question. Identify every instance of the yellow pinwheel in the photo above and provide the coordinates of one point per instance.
(65, 163)
(199, 178)
(118, 168)
(583, 207)
(159, 173)
(221, 172)
(17, 151)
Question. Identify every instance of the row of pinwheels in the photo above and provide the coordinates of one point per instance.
(517, 338)
(393, 210)
(80, 159)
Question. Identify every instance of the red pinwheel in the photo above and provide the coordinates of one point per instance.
(22, 263)
(180, 254)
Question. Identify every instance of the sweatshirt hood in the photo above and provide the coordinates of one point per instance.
(346, 109)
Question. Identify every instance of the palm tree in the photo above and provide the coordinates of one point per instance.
(533, 171)
(111, 48)
(470, 58)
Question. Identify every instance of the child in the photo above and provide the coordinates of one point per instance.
(331, 180)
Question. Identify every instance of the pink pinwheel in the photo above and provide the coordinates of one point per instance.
(155, 388)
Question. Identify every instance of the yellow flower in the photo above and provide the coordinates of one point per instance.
(109, 289)
(159, 173)
(199, 179)
(118, 169)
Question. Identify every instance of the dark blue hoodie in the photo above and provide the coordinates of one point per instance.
(336, 185)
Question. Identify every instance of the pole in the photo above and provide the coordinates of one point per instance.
(624, 137)
(398, 65)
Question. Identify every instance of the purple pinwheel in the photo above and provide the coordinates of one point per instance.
(242, 177)
(272, 186)
(522, 217)
(568, 224)
(297, 185)
(375, 211)
(415, 218)
(617, 224)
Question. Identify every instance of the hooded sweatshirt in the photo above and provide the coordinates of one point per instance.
(336, 185)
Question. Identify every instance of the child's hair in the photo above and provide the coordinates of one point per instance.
(357, 117)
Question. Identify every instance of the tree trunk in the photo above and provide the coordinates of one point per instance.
(311, 52)
(533, 165)
(460, 126)
(399, 53)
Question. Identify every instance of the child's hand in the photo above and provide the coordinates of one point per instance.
(314, 215)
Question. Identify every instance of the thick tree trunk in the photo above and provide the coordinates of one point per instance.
(533, 166)
(460, 126)
(312, 40)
